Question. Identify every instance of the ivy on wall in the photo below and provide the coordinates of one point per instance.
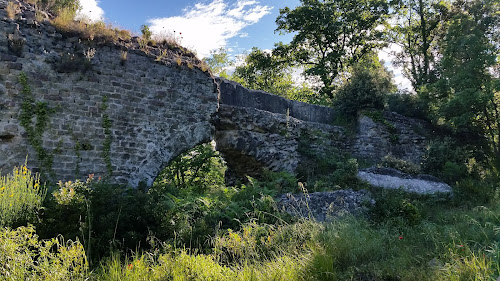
(34, 117)
(106, 124)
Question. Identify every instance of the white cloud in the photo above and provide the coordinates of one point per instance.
(207, 27)
(90, 9)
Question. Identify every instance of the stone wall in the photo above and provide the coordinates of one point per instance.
(256, 130)
(84, 110)
(156, 109)
(395, 135)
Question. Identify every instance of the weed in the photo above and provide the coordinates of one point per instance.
(24, 257)
(16, 44)
(123, 57)
(178, 60)
(73, 62)
(20, 195)
(162, 55)
(89, 54)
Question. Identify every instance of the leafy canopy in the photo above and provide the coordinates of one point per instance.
(331, 35)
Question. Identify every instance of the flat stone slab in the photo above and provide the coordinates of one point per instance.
(394, 179)
(326, 206)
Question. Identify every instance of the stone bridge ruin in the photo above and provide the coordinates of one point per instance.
(128, 119)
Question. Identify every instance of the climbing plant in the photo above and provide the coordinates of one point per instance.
(106, 124)
(34, 117)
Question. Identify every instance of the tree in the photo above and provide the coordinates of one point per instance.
(418, 29)
(331, 35)
(264, 71)
(368, 86)
(219, 62)
(467, 94)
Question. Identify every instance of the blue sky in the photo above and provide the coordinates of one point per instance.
(237, 25)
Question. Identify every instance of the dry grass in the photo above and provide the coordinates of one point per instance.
(88, 31)
(11, 10)
(123, 57)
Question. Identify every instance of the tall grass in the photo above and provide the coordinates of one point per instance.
(20, 195)
(24, 257)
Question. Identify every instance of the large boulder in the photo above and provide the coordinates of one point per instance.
(393, 179)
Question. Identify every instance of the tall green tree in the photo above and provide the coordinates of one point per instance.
(264, 71)
(331, 35)
(468, 91)
(417, 30)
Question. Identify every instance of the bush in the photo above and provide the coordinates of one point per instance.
(20, 196)
(367, 88)
(390, 161)
(446, 160)
(104, 216)
(394, 207)
(146, 33)
(407, 104)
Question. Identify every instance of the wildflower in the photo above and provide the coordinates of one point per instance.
(400, 237)
(130, 266)
(3, 188)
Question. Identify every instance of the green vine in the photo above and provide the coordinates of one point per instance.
(106, 124)
(35, 130)
(78, 157)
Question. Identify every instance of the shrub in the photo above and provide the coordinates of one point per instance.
(69, 63)
(390, 161)
(366, 89)
(447, 160)
(24, 257)
(146, 33)
(104, 216)
(394, 207)
(20, 196)
(406, 104)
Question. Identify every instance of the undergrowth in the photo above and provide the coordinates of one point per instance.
(191, 226)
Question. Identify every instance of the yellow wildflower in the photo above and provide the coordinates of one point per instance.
(3, 188)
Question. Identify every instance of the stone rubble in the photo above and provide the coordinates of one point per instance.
(326, 206)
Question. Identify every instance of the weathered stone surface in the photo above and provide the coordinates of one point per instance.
(267, 131)
(394, 179)
(406, 141)
(325, 206)
(147, 129)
